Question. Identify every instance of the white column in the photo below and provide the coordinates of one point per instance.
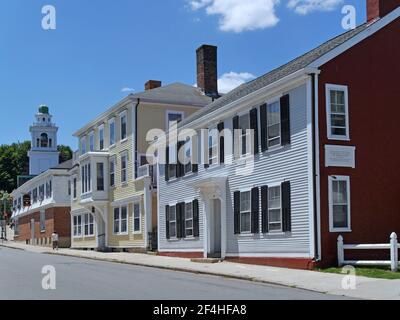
(394, 264)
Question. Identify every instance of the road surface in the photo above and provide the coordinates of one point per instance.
(21, 278)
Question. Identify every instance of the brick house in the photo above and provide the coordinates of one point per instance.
(316, 132)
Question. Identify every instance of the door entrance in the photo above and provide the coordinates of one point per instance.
(215, 229)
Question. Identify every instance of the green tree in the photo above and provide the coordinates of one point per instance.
(5, 204)
(65, 153)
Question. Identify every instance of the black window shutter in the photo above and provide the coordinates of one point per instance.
(264, 209)
(183, 220)
(221, 128)
(167, 222)
(178, 221)
(264, 127)
(167, 164)
(254, 126)
(196, 218)
(235, 127)
(285, 120)
(255, 210)
(236, 210)
(286, 207)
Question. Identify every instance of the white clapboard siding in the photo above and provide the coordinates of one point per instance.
(289, 163)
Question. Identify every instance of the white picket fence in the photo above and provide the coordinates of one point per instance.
(393, 246)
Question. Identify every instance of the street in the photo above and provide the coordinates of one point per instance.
(21, 278)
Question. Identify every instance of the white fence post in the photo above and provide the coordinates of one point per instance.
(394, 264)
(340, 252)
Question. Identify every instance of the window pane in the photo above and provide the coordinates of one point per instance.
(275, 227)
(172, 229)
(275, 215)
(172, 214)
(274, 198)
(124, 212)
(340, 216)
(273, 114)
(245, 222)
(338, 120)
(245, 201)
(339, 192)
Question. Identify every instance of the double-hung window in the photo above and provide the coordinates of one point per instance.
(172, 222)
(111, 129)
(124, 126)
(121, 220)
(213, 146)
(124, 166)
(275, 209)
(173, 160)
(77, 222)
(173, 118)
(337, 112)
(91, 142)
(136, 218)
(86, 178)
(245, 212)
(189, 219)
(100, 176)
(244, 135)
(112, 172)
(83, 145)
(101, 137)
(274, 124)
(88, 224)
(339, 204)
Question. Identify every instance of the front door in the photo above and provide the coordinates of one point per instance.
(215, 229)
(33, 231)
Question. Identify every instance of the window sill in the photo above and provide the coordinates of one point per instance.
(331, 230)
(245, 235)
(42, 231)
(338, 138)
(137, 233)
(124, 140)
(112, 146)
(121, 234)
(173, 240)
(191, 239)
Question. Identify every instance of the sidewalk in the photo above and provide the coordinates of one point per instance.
(367, 288)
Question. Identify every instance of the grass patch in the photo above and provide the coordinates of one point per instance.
(369, 272)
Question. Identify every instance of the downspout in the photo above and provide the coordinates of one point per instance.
(136, 138)
(314, 169)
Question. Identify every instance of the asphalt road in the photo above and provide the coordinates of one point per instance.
(21, 278)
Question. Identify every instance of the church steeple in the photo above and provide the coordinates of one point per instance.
(43, 154)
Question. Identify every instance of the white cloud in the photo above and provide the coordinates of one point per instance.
(240, 15)
(126, 89)
(232, 80)
(306, 6)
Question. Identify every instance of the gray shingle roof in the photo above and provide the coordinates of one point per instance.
(176, 93)
(276, 74)
(65, 165)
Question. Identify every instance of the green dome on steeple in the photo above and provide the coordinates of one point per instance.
(44, 109)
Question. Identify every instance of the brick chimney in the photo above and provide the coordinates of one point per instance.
(207, 70)
(379, 8)
(152, 84)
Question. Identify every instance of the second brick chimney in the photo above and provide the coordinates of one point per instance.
(152, 84)
(379, 8)
(207, 70)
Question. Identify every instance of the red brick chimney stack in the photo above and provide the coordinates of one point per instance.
(207, 70)
(152, 84)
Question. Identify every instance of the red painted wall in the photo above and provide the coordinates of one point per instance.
(371, 70)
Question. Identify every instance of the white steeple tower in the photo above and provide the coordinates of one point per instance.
(43, 154)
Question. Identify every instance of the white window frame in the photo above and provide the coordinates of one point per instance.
(188, 146)
(173, 221)
(271, 186)
(190, 219)
(83, 145)
(270, 102)
(91, 142)
(75, 227)
(328, 89)
(168, 112)
(113, 163)
(86, 176)
(135, 218)
(240, 154)
(120, 220)
(240, 222)
(110, 142)
(214, 160)
(330, 193)
(88, 224)
(123, 115)
(124, 171)
(100, 129)
(74, 188)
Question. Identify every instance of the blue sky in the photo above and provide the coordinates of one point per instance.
(103, 46)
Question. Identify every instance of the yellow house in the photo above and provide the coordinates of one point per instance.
(113, 188)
